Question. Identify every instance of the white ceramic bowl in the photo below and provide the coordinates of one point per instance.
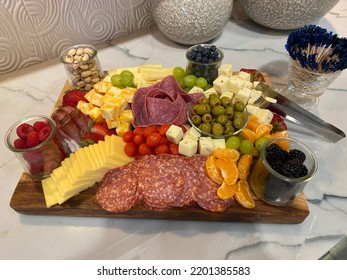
(286, 14)
(191, 22)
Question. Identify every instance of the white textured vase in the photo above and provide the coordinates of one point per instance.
(191, 22)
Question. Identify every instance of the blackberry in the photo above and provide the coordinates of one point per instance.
(275, 164)
(293, 170)
(297, 154)
(275, 152)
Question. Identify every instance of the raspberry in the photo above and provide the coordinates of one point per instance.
(23, 130)
(39, 125)
(20, 143)
(32, 139)
(44, 132)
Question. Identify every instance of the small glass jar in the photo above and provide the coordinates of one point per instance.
(42, 159)
(82, 66)
(274, 188)
(207, 70)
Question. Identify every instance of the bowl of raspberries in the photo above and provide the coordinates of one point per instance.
(36, 145)
(284, 167)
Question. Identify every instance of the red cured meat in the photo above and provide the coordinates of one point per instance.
(162, 103)
(118, 190)
(206, 194)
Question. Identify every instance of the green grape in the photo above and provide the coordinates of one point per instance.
(180, 81)
(117, 80)
(126, 73)
(190, 81)
(128, 81)
(201, 82)
(233, 142)
(178, 72)
(260, 142)
(246, 146)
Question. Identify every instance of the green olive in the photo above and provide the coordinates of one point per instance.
(196, 119)
(229, 130)
(206, 118)
(218, 110)
(204, 100)
(217, 129)
(205, 127)
(222, 119)
(238, 123)
(229, 112)
(214, 101)
(239, 106)
(226, 101)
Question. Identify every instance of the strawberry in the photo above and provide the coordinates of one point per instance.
(255, 74)
(101, 128)
(72, 97)
(23, 130)
(278, 123)
(90, 138)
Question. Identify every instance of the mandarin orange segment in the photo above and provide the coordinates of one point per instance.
(226, 154)
(284, 145)
(212, 171)
(226, 191)
(253, 118)
(263, 129)
(229, 171)
(282, 133)
(243, 195)
(244, 166)
(252, 125)
(248, 134)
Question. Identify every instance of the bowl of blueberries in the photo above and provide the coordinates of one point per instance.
(203, 60)
(218, 117)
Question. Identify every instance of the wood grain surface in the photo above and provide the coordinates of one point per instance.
(28, 199)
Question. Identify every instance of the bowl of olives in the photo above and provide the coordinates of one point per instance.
(218, 117)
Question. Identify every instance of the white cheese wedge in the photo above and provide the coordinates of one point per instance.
(174, 134)
(242, 95)
(221, 83)
(235, 84)
(264, 115)
(218, 143)
(192, 133)
(225, 70)
(244, 76)
(210, 91)
(195, 89)
(227, 94)
(188, 147)
(252, 109)
(205, 146)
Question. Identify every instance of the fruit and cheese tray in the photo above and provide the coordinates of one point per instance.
(152, 142)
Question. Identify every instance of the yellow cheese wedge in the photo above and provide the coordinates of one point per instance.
(49, 197)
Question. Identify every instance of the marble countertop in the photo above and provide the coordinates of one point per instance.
(35, 89)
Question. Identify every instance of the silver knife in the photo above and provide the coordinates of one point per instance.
(296, 114)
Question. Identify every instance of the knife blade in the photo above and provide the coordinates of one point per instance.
(296, 114)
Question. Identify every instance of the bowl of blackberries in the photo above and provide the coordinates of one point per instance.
(284, 167)
(217, 117)
(203, 60)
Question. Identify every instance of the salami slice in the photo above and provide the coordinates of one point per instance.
(206, 194)
(160, 183)
(162, 103)
(118, 190)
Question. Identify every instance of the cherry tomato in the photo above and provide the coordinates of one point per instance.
(163, 128)
(148, 130)
(161, 149)
(130, 149)
(128, 136)
(139, 130)
(139, 139)
(173, 149)
(164, 140)
(145, 150)
(153, 140)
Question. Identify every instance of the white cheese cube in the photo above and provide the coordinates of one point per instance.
(242, 95)
(225, 70)
(244, 76)
(252, 109)
(254, 96)
(206, 146)
(221, 83)
(264, 115)
(174, 134)
(187, 147)
(235, 84)
(192, 133)
(248, 84)
(218, 143)
(255, 83)
(210, 91)
(195, 89)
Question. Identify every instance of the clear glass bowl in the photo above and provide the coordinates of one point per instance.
(226, 136)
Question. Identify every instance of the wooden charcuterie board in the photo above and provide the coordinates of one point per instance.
(28, 199)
